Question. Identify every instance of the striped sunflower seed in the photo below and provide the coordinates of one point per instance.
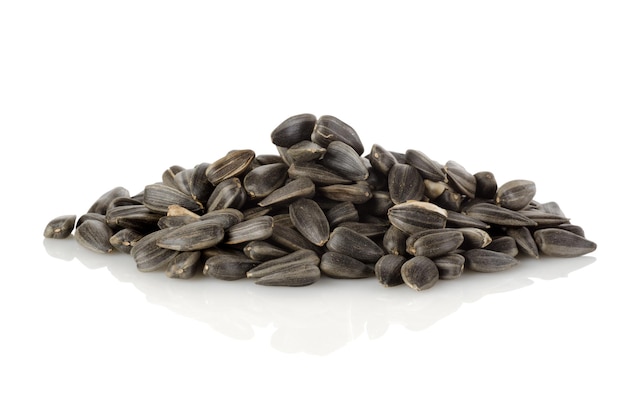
(419, 273)
(344, 160)
(262, 251)
(349, 242)
(193, 236)
(300, 275)
(437, 243)
(485, 260)
(460, 179)
(94, 235)
(255, 229)
(428, 168)
(340, 266)
(357, 193)
(228, 193)
(328, 129)
(504, 244)
(412, 216)
(284, 263)
(388, 270)
(306, 151)
(494, 214)
(228, 267)
(524, 240)
(450, 266)
(405, 183)
(101, 204)
(317, 173)
(562, 243)
(381, 159)
(516, 194)
(231, 165)
(184, 265)
(158, 197)
(297, 188)
(60, 227)
(293, 130)
(124, 240)
(150, 257)
(309, 219)
(264, 179)
(486, 185)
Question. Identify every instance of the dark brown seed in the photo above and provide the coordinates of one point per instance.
(562, 243)
(449, 200)
(437, 244)
(150, 257)
(60, 227)
(552, 208)
(378, 205)
(305, 151)
(225, 217)
(265, 179)
(309, 219)
(175, 221)
(419, 273)
(301, 275)
(474, 238)
(524, 240)
(284, 263)
(358, 193)
(504, 244)
(94, 235)
(228, 267)
(199, 186)
(298, 188)
(349, 242)
(575, 229)
(461, 220)
(158, 197)
(461, 179)
(255, 229)
(184, 265)
(340, 266)
(394, 241)
(124, 239)
(290, 238)
(342, 212)
(485, 260)
(293, 130)
(369, 229)
(381, 159)
(262, 251)
(450, 266)
(227, 194)
(137, 217)
(317, 173)
(92, 215)
(343, 159)
(486, 185)
(515, 194)
(231, 165)
(388, 270)
(405, 183)
(168, 175)
(192, 236)
(413, 216)
(329, 128)
(101, 205)
(496, 215)
(544, 219)
(428, 168)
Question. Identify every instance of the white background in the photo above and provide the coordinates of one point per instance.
(99, 94)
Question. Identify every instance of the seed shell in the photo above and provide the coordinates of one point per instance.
(60, 227)
(562, 243)
(419, 273)
(309, 219)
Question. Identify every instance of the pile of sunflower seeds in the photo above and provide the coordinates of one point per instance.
(321, 206)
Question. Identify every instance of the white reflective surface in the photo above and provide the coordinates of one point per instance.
(94, 96)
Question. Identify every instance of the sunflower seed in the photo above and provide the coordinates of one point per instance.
(494, 214)
(437, 243)
(412, 216)
(193, 236)
(231, 165)
(184, 265)
(358, 193)
(228, 267)
(290, 238)
(94, 235)
(460, 179)
(168, 175)
(449, 200)
(328, 128)
(562, 243)
(259, 228)
(486, 185)
(150, 257)
(342, 212)
(298, 188)
(284, 263)
(419, 273)
(158, 197)
(378, 204)
(474, 238)
(405, 183)
(460, 220)
(524, 240)
(300, 275)
(369, 229)
(340, 266)
(428, 168)
(317, 173)
(388, 270)
(225, 217)
(60, 227)
(349, 242)
(394, 241)
(450, 266)
(265, 179)
(262, 251)
(515, 194)
(124, 239)
(504, 244)
(381, 159)
(543, 219)
(137, 217)
(305, 151)
(309, 219)
(343, 159)
(101, 205)
(485, 260)
(229, 193)
(293, 130)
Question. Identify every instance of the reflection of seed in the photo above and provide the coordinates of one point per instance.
(419, 273)
(562, 243)
(60, 227)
